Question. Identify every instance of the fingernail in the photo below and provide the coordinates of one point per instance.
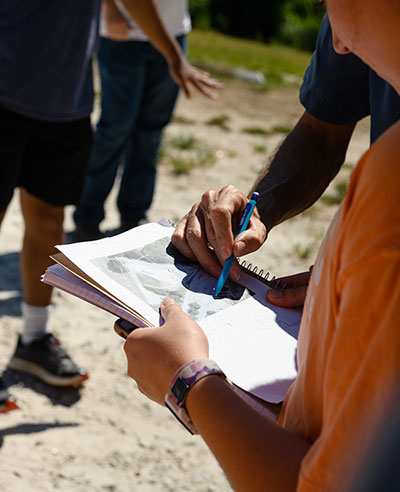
(168, 301)
(275, 294)
(224, 253)
(241, 248)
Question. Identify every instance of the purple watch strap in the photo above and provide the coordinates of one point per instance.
(184, 379)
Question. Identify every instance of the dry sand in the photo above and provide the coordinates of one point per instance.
(107, 437)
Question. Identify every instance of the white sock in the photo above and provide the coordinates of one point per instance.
(36, 321)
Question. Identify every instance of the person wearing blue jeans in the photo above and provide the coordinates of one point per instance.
(138, 99)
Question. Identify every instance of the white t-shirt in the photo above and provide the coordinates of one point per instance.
(175, 14)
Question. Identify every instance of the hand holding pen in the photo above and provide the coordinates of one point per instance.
(244, 222)
(209, 224)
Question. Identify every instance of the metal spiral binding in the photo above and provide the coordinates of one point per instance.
(272, 282)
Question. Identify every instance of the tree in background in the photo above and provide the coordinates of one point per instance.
(294, 22)
(301, 21)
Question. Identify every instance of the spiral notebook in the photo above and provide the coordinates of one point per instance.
(128, 275)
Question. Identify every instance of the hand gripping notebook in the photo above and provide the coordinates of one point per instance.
(130, 274)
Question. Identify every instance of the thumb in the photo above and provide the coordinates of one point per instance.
(251, 239)
(288, 298)
(170, 308)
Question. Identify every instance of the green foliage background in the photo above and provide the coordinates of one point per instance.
(292, 22)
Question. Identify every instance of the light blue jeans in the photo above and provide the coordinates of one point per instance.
(138, 99)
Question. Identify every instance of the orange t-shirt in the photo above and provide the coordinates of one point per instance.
(349, 343)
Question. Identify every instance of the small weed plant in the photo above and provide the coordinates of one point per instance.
(185, 153)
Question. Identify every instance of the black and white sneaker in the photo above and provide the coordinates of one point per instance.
(7, 401)
(48, 361)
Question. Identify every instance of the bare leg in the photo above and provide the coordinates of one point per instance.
(43, 230)
(43, 357)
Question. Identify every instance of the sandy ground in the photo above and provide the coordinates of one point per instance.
(107, 437)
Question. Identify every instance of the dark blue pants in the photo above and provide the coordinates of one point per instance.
(138, 98)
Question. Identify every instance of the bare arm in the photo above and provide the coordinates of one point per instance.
(255, 453)
(307, 161)
(148, 17)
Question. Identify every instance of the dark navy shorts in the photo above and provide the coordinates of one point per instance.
(49, 159)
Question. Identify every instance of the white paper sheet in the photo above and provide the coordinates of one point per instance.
(254, 342)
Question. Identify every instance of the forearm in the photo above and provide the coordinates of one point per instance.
(305, 164)
(109, 5)
(111, 11)
(148, 17)
(255, 453)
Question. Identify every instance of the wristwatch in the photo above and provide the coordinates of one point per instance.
(184, 379)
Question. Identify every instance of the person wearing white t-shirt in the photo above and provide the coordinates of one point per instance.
(138, 96)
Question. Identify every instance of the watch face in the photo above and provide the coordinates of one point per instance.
(180, 388)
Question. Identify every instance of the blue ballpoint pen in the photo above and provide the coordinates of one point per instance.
(244, 222)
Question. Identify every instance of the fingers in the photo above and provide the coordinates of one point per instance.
(295, 280)
(179, 237)
(170, 309)
(190, 237)
(168, 347)
(202, 81)
(185, 75)
(251, 239)
(212, 222)
(220, 209)
(288, 298)
(294, 293)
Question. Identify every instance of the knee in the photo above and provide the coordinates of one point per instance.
(45, 223)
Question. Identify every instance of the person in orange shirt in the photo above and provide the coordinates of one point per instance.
(349, 343)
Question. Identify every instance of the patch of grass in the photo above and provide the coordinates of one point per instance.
(221, 121)
(281, 129)
(311, 211)
(180, 187)
(210, 48)
(182, 120)
(348, 165)
(337, 197)
(260, 149)
(255, 130)
(315, 234)
(185, 153)
(162, 153)
(303, 251)
(184, 142)
(183, 164)
(231, 154)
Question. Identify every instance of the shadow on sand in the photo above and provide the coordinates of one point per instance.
(58, 395)
(10, 285)
(32, 428)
